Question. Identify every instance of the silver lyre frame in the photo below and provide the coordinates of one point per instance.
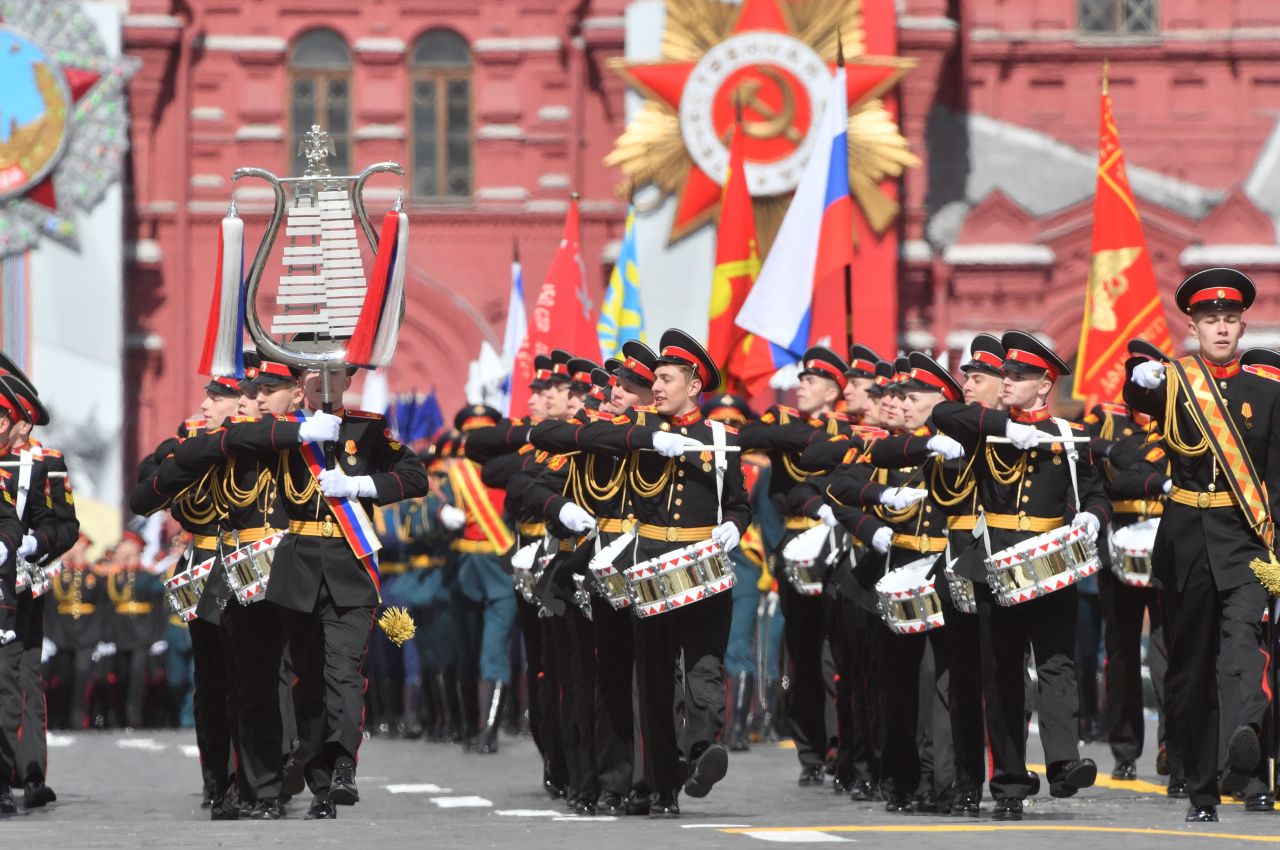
(324, 361)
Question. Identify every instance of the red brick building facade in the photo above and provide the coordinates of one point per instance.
(500, 108)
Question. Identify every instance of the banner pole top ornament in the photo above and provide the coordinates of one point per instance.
(775, 57)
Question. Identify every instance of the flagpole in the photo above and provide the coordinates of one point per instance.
(848, 267)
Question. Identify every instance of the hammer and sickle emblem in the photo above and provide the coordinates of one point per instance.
(776, 123)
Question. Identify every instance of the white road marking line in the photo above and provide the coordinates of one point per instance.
(462, 802)
(150, 745)
(528, 813)
(598, 818)
(713, 825)
(191, 751)
(798, 836)
(56, 740)
(421, 788)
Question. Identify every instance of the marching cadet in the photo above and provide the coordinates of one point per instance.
(1027, 489)
(1217, 423)
(193, 501)
(11, 649)
(74, 626)
(484, 609)
(1124, 607)
(678, 498)
(324, 575)
(784, 433)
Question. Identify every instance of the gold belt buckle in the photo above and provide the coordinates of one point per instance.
(326, 530)
(922, 543)
(629, 524)
(1202, 500)
(1024, 522)
(672, 534)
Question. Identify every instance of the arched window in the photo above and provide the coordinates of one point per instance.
(440, 101)
(320, 93)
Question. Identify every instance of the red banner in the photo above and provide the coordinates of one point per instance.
(1121, 300)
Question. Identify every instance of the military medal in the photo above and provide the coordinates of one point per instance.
(350, 449)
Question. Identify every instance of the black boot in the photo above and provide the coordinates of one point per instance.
(471, 715)
(738, 734)
(454, 727)
(412, 722)
(769, 716)
(491, 706)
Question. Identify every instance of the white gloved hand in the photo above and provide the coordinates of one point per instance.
(828, 516)
(1167, 486)
(671, 445)
(900, 498)
(336, 484)
(1089, 522)
(160, 647)
(4, 553)
(727, 535)
(948, 448)
(1148, 375)
(453, 518)
(320, 428)
(7, 636)
(576, 519)
(48, 649)
(28, 546)
(882, 539)
(1023, 436)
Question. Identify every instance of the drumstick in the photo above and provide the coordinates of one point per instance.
(702, 447)
(1044, 439)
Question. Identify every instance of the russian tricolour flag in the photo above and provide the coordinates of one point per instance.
(815, 242)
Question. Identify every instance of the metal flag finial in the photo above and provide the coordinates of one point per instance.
(316, 147)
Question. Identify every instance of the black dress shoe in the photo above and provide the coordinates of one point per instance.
(1162, 762)
(7, 805)
(637, 805)
(586, 808)
(1202, 814)
(1007, 808)
(898, 804)
(1125, 771)
(342, 786)
(37, 794)
(268, 808)
(810, 776)
(611, 804)
(554, 789)
(1033, 780)
(321, 809)
(227, 808)
(840, 786)
(926, 803)
(1177, 789)
(664, 805)
(1260, 802)
(1243, 752)
(709, 769)
(206, 797)
(1073, 776)
(967, 802)
(861, 792)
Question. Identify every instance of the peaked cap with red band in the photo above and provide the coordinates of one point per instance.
(986, 354)
(541, 372)
(560, 366)
(1022, 351)
(679, 348)
(862, 361)
(1144, 348)
(1216, 289)
(927, 374)
(580, 369)
(824, 363)
(638, 363)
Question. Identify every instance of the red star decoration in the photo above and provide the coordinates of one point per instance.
(867, 77)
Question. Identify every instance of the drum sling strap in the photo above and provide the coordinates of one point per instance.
(1073, 457)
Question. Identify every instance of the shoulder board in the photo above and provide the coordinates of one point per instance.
(282, 418)
(838, 416)
(243, 419)
(1113, 408)
(645, 408)
(729, 429)
(1076, 426)
(1092, 418)
(525, 449)
(922, 431)
(870, 432)
(193, 423)
(557, 462)
(1154, 454)
(790, 411)
(621, 419)
(391, 439)
(1154, 437)
(849, 457)
(836, 438)
(1262, 372)
(541, 456)
(363, 414)
(52, 453)
(768, 417)
(517, 421)
(8, 498)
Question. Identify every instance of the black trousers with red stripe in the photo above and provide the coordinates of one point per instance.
(33, 749)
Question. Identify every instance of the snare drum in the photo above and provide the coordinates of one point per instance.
(48, 573)
(248, 568)
(1041, 565)
(183, 590)
(522, 574)
(908, 600)
(611, 583)
(802, 561)
(1132, 545)
(27, 573)
(679, 578)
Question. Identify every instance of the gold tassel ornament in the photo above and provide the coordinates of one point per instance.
(1268, 573)
(398, 625)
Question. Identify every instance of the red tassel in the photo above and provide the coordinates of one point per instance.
(360, 348)
(211, 328)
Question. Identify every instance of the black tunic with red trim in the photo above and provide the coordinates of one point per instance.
(365, 447)
(784, 434)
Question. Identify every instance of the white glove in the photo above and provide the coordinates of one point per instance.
(576, 519)
(900, 498)
(786, 378)
(1089, 522)
(881, 540)
(1148, 375)
(1023, 436)
(1167, 487)
(4, 553)
(453, 518)
(160, 647)
(7, 636)
(828, 516)
(28, 546)
(48, 649)
(320, 428)
(949, 448)
(727, 535)
(671, 445)
(336, 484)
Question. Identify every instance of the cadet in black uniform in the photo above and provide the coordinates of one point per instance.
(326, 595)
(1026, 490)
(1218, 424)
